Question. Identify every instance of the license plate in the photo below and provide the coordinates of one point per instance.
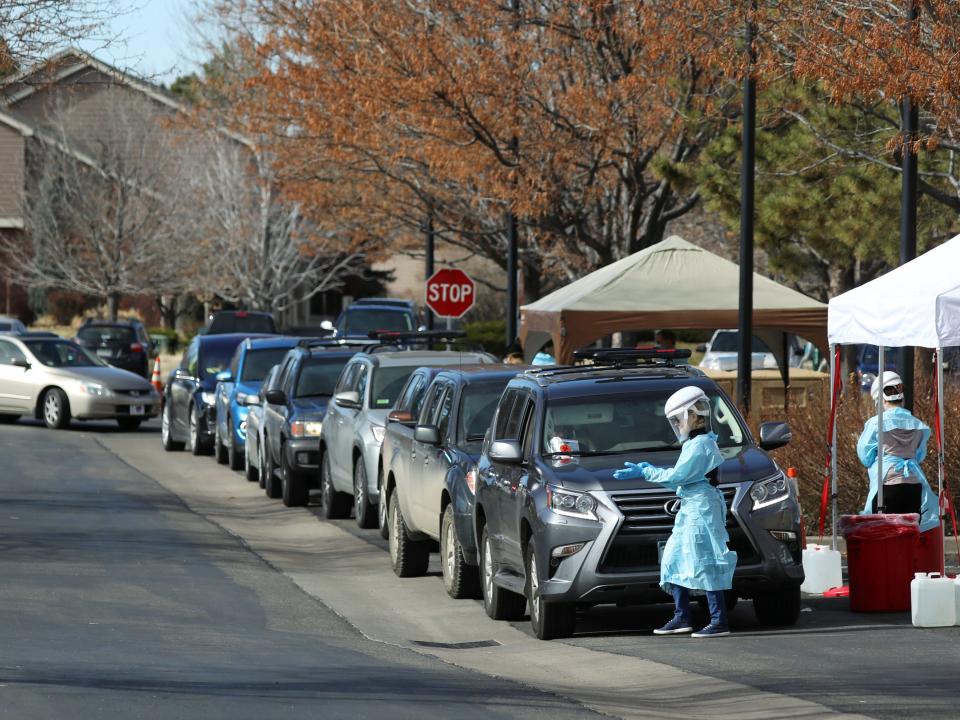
(104, 352)
(137, 410)
(661, 544)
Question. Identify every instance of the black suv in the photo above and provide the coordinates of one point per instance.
(241, 321)
(124, 344)
(555, 529)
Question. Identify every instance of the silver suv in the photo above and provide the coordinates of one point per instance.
(355, 422)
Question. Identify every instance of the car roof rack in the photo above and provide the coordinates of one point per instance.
(631, 357)
(389, 341)
(332, 343)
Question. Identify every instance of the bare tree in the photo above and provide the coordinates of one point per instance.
(101, 212)
(265, 253)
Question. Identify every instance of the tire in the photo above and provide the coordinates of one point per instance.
(293, 485)
(251, 472)
(336, 505)
(271, 484)
(166, 431)
(129, 424)
(56, 409)
(548, 620)
(409, 558)
(235, 460)
(731, 597)
(195, 444)
(6, 419)
(219, 449)
(778, 608)
(460, 580)
(383, 508)
(500, 604)
(261, 464)
(365, 511)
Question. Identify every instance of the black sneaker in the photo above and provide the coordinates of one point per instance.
(712, 631)
(677, 626)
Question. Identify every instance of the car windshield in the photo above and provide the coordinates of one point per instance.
(362, 322)
(5, 326)
(223, 324)
(106, 334)
(61, 353)
(257, 363)
(215, 358)
(477, 406)
(387, 384)
(727, 342)
(319, 376)
(625, 422)
(871, 356)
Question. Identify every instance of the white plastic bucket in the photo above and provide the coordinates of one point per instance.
(933, 600)
(821, 569)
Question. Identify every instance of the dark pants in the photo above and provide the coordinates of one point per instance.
(901, 499)
(716, 601)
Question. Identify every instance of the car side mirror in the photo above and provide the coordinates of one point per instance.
(422, 328)
(327, 325)
(224, 376)
(506, 451)
(21, 363)
(276, 397)
(403, 417)
(427, 434)
(774, 435)
(248, 400)
(348, 399)
(702, 348)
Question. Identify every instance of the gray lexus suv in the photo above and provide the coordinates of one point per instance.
(556, 531)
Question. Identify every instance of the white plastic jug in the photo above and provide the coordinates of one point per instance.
(821, 569)
(933, 600)
(956, 596)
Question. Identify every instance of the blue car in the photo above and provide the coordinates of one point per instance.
(868, 362)
(237, 388)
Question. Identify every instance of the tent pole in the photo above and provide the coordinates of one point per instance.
(880, 367)
(940, 452)
(833, 451)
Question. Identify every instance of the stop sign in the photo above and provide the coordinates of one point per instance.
(450, 293)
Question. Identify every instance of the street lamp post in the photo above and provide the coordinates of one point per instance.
(745, 325)
(428, 270)
(909, 123)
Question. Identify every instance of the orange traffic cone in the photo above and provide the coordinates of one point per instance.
(155, 378)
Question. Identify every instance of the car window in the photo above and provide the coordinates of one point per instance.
(241, 323)
(318, 376)
(5, 326)
(213, 359)
(348, 377)
(235, 362)
(478, 402)
(10, 352)
(625, 422)
(258, 363)
(95, 334)
(61, 353)
(727, 342)
(362, 322)
(190, 358)
(529, 427)
(442, 417)
(284, 372)
(409, 392)
(428, 404)
(270, 382)
(387, 383)
(363, 377)
(504, 414)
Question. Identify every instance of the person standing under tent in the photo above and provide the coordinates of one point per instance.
(696, 556)
(905, 489)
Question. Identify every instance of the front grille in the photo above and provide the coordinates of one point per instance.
(133, 393)
(646, 523)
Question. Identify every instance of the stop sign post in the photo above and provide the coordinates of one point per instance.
(450, 293)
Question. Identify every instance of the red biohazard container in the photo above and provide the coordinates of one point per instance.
(881, 560)
(930, 551)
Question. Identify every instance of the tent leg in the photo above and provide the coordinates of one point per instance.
(833, 452)
(940, 454)
(880, 368)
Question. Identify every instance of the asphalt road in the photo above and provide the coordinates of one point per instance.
(116, 601)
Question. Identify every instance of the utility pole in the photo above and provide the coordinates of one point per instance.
(909, 123)
(745, 324)
(428, 270)
(512, 309)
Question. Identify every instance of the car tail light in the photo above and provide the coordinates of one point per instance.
(471, 479)
(136, 347)
(240, 314)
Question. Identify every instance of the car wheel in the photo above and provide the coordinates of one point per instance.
(459, 579)
(778, 608)
(56, 409)
(293, 484)
(270, 485)
(336, 505)
(548, 620)
(365, 512)
(6, 419)
(409, 558)
(234, 459)
(129, 424)
(383, 508)
(250, 471)
(219, 449)
(499, 603)
(195, 444)
(166, 431)
(261, 464)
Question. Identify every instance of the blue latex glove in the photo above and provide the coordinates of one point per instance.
(631, 470)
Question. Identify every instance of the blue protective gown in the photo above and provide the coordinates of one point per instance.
(696, 555)
(898, 418)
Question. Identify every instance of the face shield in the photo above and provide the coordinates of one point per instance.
(685, 420)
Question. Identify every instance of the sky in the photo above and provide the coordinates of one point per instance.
(153, 39)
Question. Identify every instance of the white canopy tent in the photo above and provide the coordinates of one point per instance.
(914, 305)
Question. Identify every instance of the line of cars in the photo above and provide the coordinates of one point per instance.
(506, 470)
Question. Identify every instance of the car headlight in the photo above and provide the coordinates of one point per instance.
(471, 481)
(94, 389)
(208, 398)
(769, 491)
(571, 504)
(306, 428)
(378, 432)
(867, 378)
(710, 364)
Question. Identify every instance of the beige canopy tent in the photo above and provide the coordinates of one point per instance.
(672, 284)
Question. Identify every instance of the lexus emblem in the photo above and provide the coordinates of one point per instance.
(672, 507)
(135, 393)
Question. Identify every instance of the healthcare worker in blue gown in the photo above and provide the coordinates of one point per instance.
(905, 489)
(696, 556)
